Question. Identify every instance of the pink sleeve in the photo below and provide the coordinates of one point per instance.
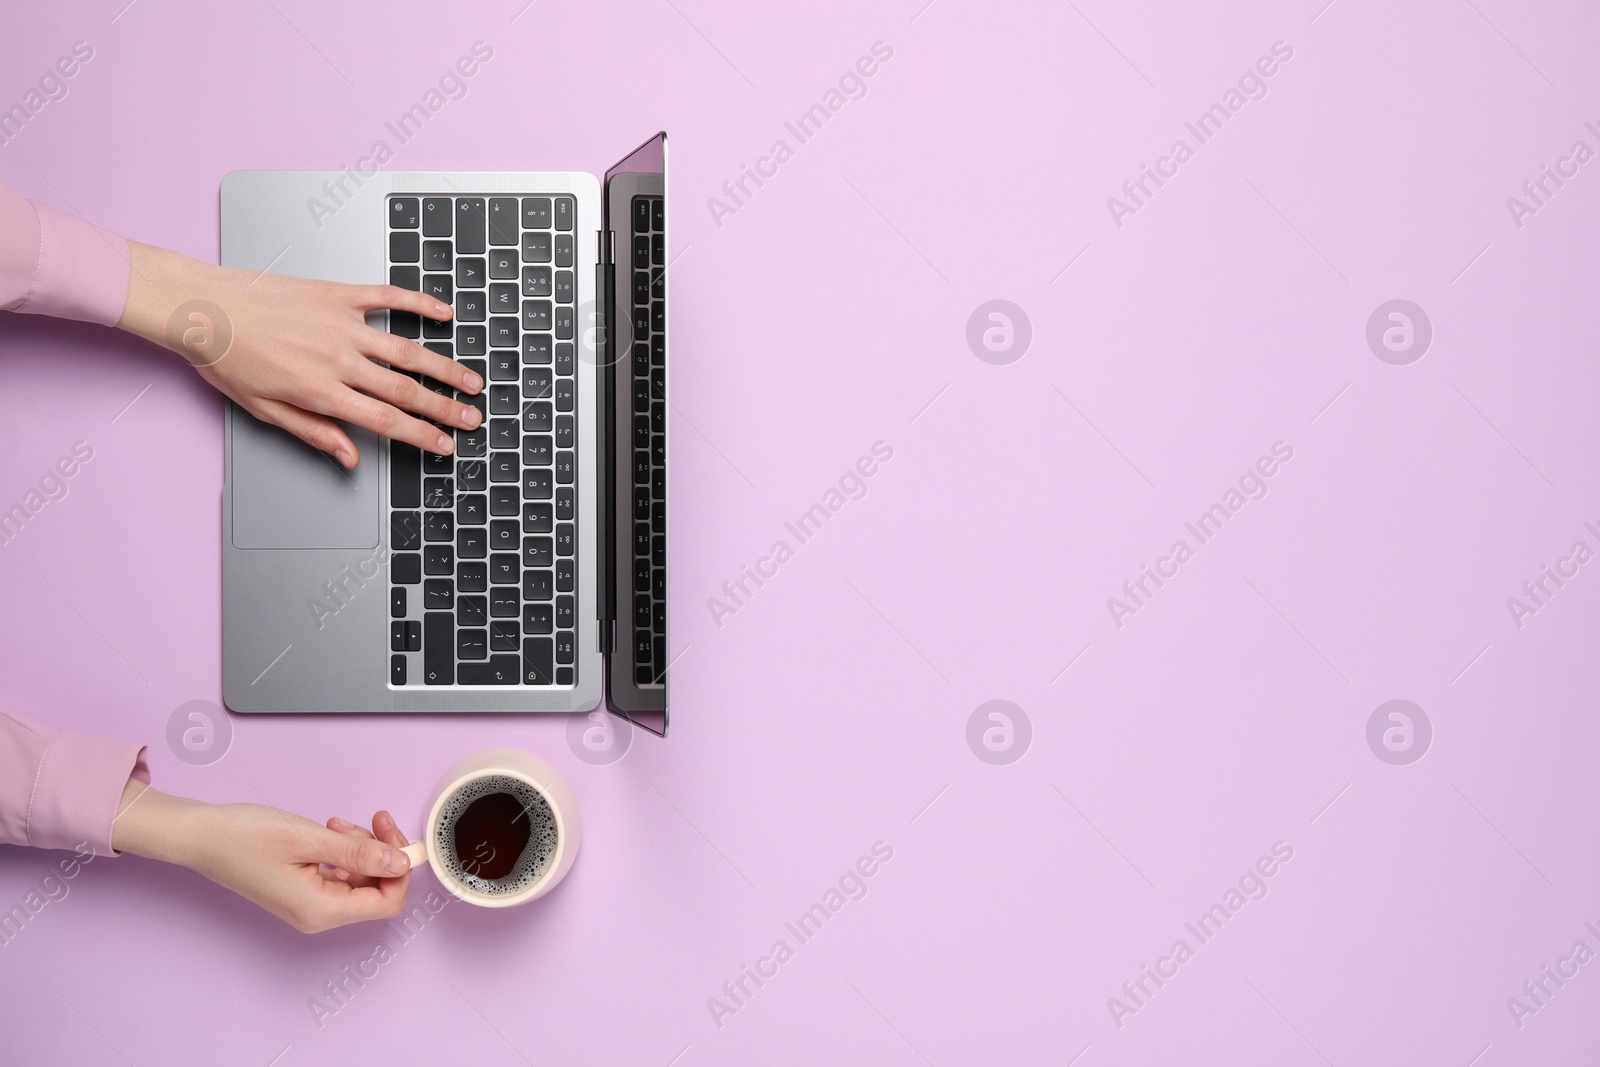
(52, 263)
(60, 790)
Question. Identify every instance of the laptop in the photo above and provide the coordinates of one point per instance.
(528, 572)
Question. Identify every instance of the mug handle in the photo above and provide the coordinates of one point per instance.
(417, 853)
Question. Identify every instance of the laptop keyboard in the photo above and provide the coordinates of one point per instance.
(649, 440)
(483, 565)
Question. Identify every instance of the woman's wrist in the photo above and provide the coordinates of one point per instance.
(160, 282)
(152, 824)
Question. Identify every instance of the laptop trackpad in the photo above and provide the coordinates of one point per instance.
(287, 494)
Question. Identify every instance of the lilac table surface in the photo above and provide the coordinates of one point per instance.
(1157, 745)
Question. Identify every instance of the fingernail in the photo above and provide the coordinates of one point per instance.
(394, 861)
(472, 416)
(441, 309)
(446, 445)
(473, 382)
(338, 821)
(344, 457)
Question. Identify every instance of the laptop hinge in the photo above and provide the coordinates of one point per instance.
(607, 630)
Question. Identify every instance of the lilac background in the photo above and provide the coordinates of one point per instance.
(826, 314)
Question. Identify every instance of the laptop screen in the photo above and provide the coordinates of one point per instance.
(635, 399)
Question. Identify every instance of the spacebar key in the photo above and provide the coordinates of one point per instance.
(438, 648)
(497, 670)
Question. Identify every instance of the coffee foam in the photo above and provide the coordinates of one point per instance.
(535, 858)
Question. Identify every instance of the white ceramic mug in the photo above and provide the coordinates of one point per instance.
(502, 770)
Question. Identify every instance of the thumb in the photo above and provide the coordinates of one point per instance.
(360, 855)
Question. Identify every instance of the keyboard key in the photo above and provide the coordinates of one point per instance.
(438, 594)
(505, 568)
(503, 263)
(538, 551)
(471, 273)
(565, 290)
(537, 519)
(536, 282)
(438, 648)
(504, 400)
(503, 332)
(564, 432)
(536, 213)
(405, 474)
(538, 416)
(435, 330)
(564, 503)
(397, 602)
(538, 586)
(566, 542)
(538, 450)
(641, 610)
(536, 349)
(566, 467)
(504, 635)
(536, 315)
(405, 324)
(642, 646)
(503, 298)
(436, 211)
(566, 646)
(535, 383)
(472, 644)
(564, 323)
(641, 253)
(405, 530)
(564, 250)
(658, 249)
(537, 483)
(566, 612)
(472, 509)
(536, 248)
(470, 223)
(503, 467)
(641, 576)
(658, 583)
(397, 670)
(438, 526)
(397, 636)
(658, 550)
(538, 618)
(472, 610)
(403, 212)
(439, 286)
(503, 222)
(471, 341)
(472, 306)
(499, 670)
(437, 256)
(538, 656)
(504, 433)
(504, 500)
(658, 210)
(504, 535)
(439, 492)
(504, 602)
(413, 636)
(503, 366)
(641, 214)
(566, 209)
(564, 675)
(403, 277)
(564, 363)
(566, 575)
(472, 577)
(472, 444)
(405, 247)
(472, 542)
(438, 559)
(564, 394)
(405, 568)
(471, 475)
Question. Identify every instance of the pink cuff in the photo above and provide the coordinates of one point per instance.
(82, 273)
(79, 789)
(62, 790)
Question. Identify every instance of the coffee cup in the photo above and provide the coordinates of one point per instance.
(502, 829)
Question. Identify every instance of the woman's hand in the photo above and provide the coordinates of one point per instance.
(312, 877)
(298, 353)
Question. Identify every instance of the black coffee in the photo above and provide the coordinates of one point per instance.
(490, 836)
